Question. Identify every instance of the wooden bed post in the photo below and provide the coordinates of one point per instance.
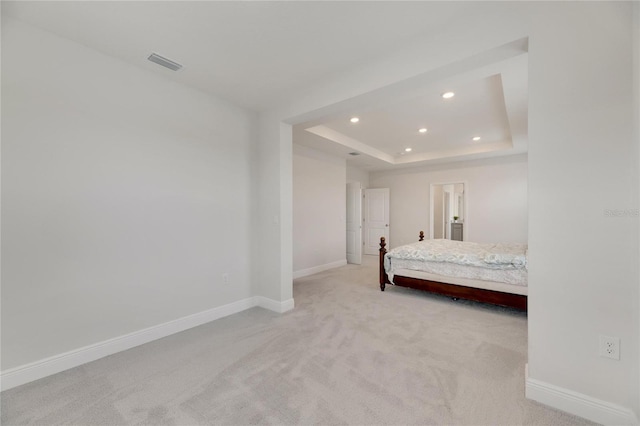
(421, 236)
(383, 274)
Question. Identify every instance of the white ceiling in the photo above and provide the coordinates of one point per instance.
(476, 109)
(257, 54)
(250, 53)
(491, 101)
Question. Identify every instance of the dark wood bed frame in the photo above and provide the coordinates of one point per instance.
(499, 298)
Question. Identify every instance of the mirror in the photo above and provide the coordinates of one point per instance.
(448, 211)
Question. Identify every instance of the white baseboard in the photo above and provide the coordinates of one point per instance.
(46, 367)
(310, 271)
(593, 409)
(273, 305)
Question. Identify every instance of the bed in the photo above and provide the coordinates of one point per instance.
(489, 273)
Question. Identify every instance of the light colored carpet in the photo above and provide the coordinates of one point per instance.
(347, 354)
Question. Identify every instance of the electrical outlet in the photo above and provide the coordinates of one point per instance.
(225, 278)
(610, 347)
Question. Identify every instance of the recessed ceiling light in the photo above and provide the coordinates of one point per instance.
(476, 138)
(407, 149)
(423, 130)
(448, 95)
(354, 119)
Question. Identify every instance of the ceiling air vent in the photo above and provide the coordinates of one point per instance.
(354, 153)
(167, 63)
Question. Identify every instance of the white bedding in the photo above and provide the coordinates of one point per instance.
(502, 263)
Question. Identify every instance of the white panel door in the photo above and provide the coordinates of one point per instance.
(376, 219)
(354, 223)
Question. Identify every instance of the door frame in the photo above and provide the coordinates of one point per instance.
(465, 206)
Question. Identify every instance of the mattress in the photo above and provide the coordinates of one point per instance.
(514, 276)
(467, 282)
(499, 267)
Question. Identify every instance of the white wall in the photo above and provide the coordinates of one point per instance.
(636, 90)
(355, 174)
(124, 197)
(319, 209)
(583, 275)
(272, 251)
(495, 194)
(581, 161)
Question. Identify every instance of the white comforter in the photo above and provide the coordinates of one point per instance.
(490, 256)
